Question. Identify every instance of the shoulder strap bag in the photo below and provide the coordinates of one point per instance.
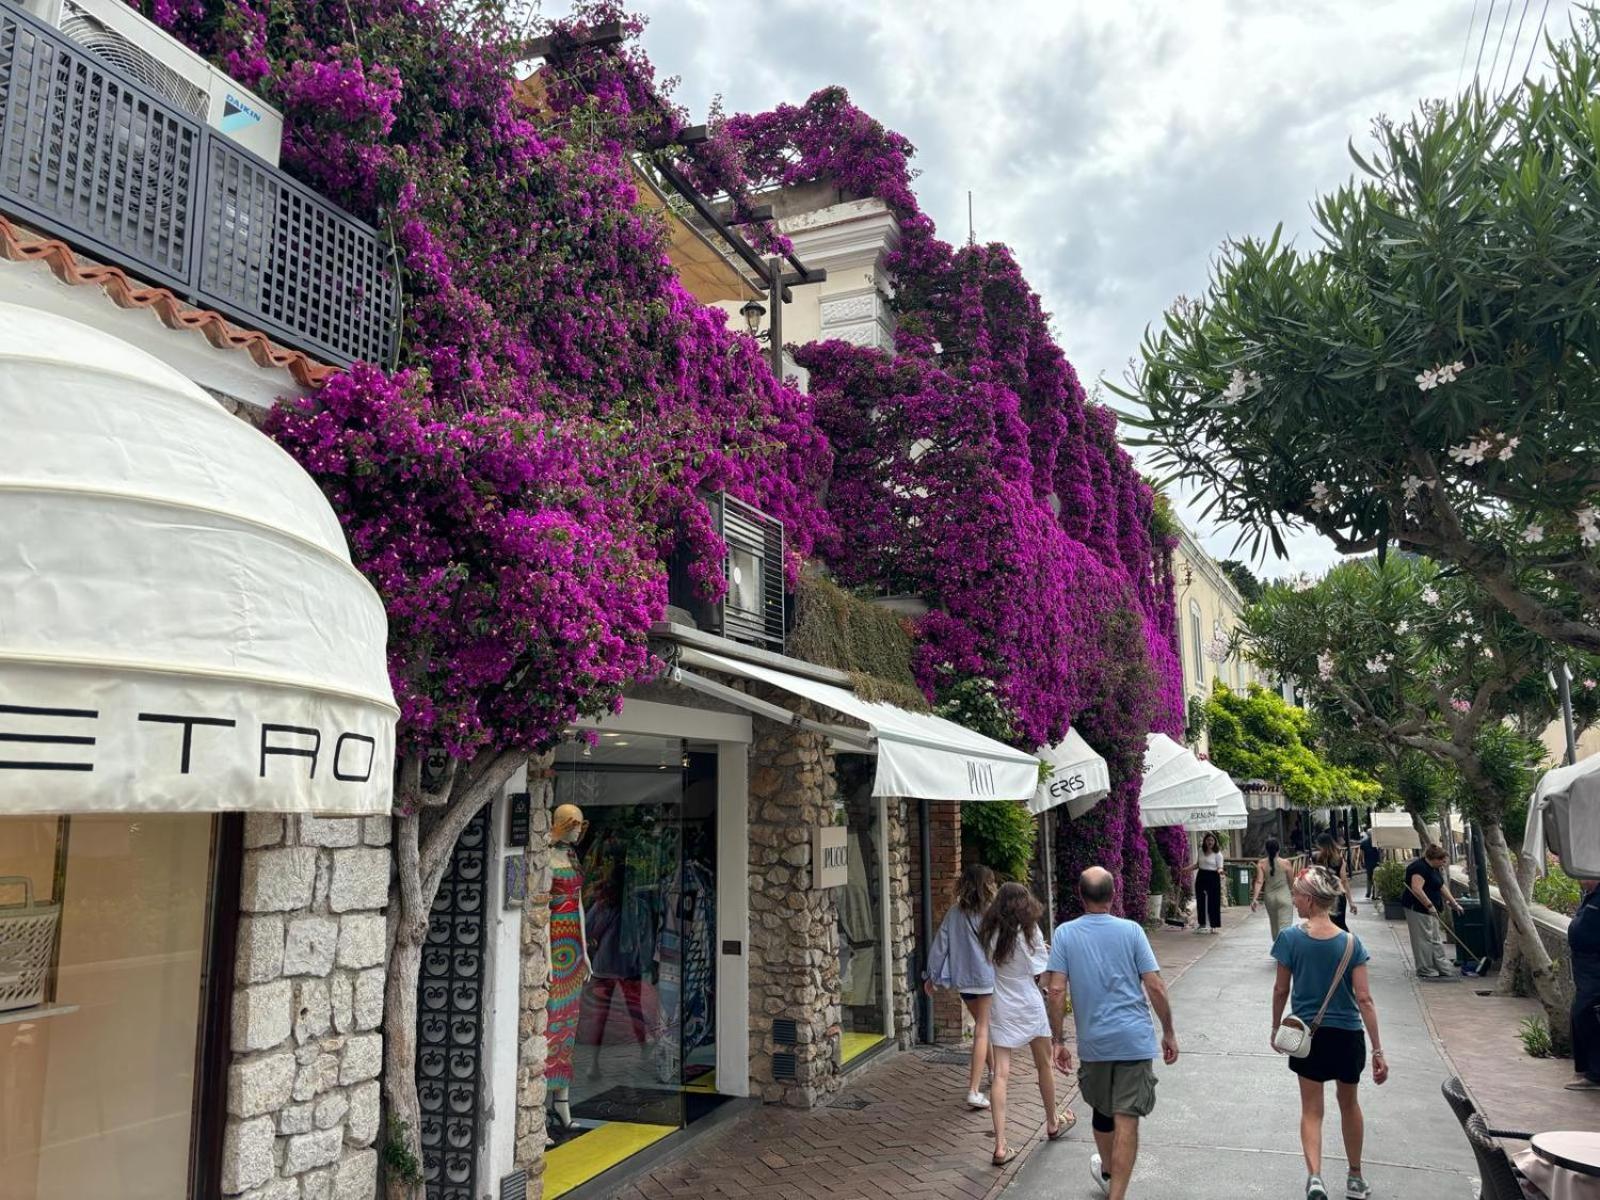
(1293, 1037)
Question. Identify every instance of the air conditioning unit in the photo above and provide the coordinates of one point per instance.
(121, 37)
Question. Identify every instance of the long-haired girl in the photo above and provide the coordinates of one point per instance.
(957, 960)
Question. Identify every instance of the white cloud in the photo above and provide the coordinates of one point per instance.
(1114, 146)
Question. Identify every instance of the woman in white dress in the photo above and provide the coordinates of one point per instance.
(1017, 947)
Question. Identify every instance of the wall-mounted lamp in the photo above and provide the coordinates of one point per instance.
(752, 312)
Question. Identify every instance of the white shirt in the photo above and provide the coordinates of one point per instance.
(1210, 862)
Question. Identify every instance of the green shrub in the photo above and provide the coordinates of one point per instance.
(1557, 891)
(1535, 1035)
(1000, 835)
(1390, 881)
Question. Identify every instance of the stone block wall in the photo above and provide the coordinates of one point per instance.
(944, 823)
(794, 929)
(533, 1017)
(307, 1043)
(902, 921)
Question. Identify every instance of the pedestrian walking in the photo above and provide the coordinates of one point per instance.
(1017, 1019)
(1332, 859)
(957, 960)
(1322, 978)
(1115, 983)
(1207, 868)
(1272, 881)
(1583, 938)
(1426, 892)
(1371, 858)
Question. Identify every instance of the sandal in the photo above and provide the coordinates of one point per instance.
(1002, 1158)
(1065, 1120)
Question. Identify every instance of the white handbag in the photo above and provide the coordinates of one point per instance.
(1292, 1037)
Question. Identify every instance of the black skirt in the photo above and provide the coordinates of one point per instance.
(1336, 1054)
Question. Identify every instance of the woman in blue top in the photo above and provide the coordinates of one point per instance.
(958, 960)
(1308, 961)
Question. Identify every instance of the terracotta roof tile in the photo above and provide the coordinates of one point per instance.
(21, 244)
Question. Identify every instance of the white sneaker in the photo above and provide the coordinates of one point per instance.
(1101, 1179)
(1355, 1188)
(977, 1100)
(1314, 1188)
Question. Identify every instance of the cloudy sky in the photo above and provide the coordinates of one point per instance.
(1115, 145)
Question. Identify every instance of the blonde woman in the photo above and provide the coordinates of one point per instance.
(958, 960)
(1323, 969)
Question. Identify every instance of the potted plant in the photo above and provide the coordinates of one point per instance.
(1160, 883)
(1389, 881)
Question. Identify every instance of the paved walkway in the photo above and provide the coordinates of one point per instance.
(1226, 1124)
(899, 1128)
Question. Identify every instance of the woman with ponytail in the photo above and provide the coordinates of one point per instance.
(1272, 880)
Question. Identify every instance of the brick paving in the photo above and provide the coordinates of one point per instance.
(913, 1136)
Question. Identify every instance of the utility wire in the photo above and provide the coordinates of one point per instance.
(1537, 35)
(1466, 45)
(1498, 42)
(1505, 80)
(1482, 41)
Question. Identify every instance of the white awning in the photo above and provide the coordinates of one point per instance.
(1177, 785)
(919, 756)
(1261, 796)
(1231, 812)
(1564, 818)
(181, 629)
(1079, 779)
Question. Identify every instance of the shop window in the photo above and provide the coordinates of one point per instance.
(101, 1006)
(863, 957)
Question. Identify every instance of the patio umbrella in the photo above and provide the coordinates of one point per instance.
(1564, 817)
(1231, 811)
(1177, 785)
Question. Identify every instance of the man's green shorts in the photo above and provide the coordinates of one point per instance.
(1110, 1088)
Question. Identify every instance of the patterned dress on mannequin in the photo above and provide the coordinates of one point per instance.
(566, 971)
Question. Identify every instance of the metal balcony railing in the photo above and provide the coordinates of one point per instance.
(94, 158)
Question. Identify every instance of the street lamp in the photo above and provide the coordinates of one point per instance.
(752, 312)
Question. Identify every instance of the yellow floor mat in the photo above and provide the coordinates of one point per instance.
(854, 1045)
(704, 1083)
(580, 1160)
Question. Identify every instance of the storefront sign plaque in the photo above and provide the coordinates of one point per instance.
(519, 819)
(516, 893)
(830, 856)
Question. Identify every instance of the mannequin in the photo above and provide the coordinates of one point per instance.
(569, 956)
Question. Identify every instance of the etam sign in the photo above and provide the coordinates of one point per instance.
(161, 744)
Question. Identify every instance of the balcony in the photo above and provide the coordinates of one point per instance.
(92, 157)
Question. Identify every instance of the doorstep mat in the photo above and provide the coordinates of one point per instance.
(580, 1160)
(642, 1106)
(854, 1045)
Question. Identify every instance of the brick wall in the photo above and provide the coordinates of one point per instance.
(303, 1098)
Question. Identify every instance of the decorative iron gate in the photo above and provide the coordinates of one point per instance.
(449, 1021)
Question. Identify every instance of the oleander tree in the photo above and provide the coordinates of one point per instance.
(1422, 661)
(1423, 376)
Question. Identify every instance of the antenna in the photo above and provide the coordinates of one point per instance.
(972, 238)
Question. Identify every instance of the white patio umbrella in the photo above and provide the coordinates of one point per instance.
(1564, 817)
(1177, 785)
(1231, 811)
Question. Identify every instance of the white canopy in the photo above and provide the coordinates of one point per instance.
(1177, 785)
(1080, 778)
(181, 629)
(1261, 796)
(1394, 831)
(1564, 817)
(1231, 812)
(919, 755)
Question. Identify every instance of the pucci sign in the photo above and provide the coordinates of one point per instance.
(830, 856)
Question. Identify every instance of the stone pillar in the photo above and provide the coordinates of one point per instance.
(794, 929)
(534, 1016)
(944, 821)
(303, 1100)
(902, 920)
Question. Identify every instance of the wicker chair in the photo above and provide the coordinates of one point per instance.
(1499, 1180)
(1455, 1095)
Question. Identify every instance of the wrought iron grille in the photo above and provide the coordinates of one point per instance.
(92, 156)
(449, 1021)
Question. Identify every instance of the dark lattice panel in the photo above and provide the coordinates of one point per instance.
(752, 535)
(280, 256)
(449, 1021)
(92, 157)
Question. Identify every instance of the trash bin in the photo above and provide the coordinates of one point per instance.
(1241, 881)
(1471, 930)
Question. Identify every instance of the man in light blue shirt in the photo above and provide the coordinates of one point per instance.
(1115, 982)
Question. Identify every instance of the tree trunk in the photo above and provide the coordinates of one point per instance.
(1421, 826)
(1513, 969)
(1534, 956)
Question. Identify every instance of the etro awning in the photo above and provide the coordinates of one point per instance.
(1078, 778)
(181, 629)
(920, 756)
